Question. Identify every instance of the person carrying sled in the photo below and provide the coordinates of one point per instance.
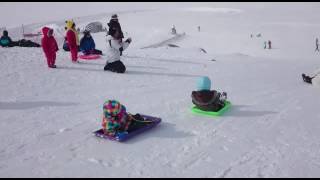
(5, 40)
(73, 40)
(49, 46)
(115, 48)
(116, 119)
(206, 99)
(87, 44)
(114, 26)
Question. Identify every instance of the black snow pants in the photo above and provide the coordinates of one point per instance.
(116, 66)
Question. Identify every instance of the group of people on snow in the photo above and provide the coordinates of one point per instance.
(117, 120)
(87, 46)
(6, 41)
(269, 44)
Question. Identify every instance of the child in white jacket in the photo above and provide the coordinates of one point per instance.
(115, 48)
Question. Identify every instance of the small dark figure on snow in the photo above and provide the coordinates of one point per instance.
(173, 30)
(269, 44)
(307, 79)
(317, 44)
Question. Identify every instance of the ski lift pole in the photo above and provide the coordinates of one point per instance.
(22, 31)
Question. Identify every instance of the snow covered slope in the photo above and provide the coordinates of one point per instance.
(47, 116)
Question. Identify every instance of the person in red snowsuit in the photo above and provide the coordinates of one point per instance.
(49, 46)
(73, 40)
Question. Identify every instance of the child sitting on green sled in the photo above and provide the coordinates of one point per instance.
(117, 120)
(206, 99)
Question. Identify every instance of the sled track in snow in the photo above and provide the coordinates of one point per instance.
(166, 42)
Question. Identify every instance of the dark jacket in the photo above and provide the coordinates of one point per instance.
(207, 100)
(5, 40)
(87, 44)
(66, 45)
(113, 27)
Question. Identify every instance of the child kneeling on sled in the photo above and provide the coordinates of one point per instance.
(115, 49)
(206, 99)
(117, 120)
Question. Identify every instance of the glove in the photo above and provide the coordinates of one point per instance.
(223, 97)
(121, 49)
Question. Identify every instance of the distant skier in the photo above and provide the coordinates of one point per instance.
(49, 46)
(265, 44)
(115, 49)
(173, 30)
(114, 26)
(317, 44)
(206, 99)
(198, 28)
(269, 44)
(73, 40)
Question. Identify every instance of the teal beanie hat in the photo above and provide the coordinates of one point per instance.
(204, 83)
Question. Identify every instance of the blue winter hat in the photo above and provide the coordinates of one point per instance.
(204, 83)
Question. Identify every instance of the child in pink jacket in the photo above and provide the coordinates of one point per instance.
(49, 46)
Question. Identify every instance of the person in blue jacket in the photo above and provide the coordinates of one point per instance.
(5, 40)
(87, 45)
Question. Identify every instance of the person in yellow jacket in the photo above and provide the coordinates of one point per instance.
(73, 39)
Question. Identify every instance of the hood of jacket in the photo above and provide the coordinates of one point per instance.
(45, 31)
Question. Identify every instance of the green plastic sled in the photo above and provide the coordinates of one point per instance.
(227, 106)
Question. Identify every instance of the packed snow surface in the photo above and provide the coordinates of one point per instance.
(47, 116)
